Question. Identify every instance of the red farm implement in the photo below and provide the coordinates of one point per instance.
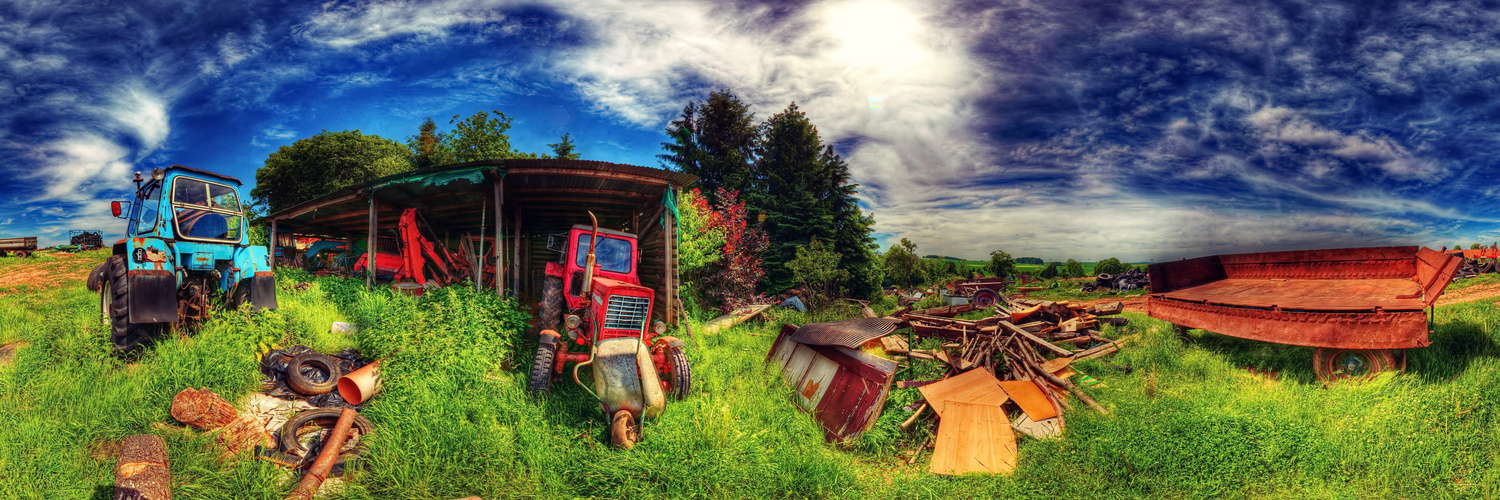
(1356, 305)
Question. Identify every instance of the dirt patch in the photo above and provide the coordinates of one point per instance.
(43, 274)
(8, 352)
(104, 450)
(1469, 294)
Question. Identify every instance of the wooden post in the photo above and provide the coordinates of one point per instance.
(500, 227)
(668, 229)
(272, 245)
(370, 246)
(515, 256)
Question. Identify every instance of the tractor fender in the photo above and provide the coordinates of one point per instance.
(665, 341)
(557, 269)
(151, 274)
(550, 337)
(263, 290)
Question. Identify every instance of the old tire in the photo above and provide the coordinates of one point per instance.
(307, 384)
(1335, 364)
(21, 254)
(623, 433)
(125, 335)
(552, 304)
(540, 382)
(679, 375)
(985, 298)
(321, 417)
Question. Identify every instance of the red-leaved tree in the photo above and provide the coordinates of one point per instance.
(733, 279)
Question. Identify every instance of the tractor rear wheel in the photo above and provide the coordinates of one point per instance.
(1334, 364)
(552, 303)
(679, 376)
(623, 433)
(540, 382)
(125, 335)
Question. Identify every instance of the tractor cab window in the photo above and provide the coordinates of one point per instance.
(145, 220)
(206, 211)
(613, 254)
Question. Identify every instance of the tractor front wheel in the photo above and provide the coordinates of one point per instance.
(552, 304)
(623, 433)
(1334, 364)
(540, 382)
(126, 336)
(679, 375)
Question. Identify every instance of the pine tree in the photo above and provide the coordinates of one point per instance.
(716, 141)
(563, 149)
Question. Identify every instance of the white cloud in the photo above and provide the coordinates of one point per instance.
(1284, 125)
(273, 135)
(342, 25)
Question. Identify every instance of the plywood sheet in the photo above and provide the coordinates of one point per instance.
(975, 386)
(1030, 398)
(973, 438)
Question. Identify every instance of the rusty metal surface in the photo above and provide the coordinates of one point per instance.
(844, 389)
(847, 333)
(1307, 294)
(1398, 330)
(1357, 298)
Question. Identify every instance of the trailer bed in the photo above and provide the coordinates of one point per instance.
(1354, 298)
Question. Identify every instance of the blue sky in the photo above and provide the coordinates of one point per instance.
(1059, 129)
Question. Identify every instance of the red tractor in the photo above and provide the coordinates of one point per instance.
(635, 366)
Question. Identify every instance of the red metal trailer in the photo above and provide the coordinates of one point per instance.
(1356, 305)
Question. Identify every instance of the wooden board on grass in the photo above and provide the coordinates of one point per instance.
(1030, 398)
(975, 386)
(973, 438)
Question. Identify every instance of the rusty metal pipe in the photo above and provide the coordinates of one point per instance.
(320, 468)
(588, 272)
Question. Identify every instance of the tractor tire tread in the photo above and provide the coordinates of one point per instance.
(679, 373)
(550, 313)
(540, 381)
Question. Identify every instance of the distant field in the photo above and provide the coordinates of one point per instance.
(978, 265)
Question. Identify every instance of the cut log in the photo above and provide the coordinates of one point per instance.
(142, 472)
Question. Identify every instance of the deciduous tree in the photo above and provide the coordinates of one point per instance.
(323, 163)
(1001, 264)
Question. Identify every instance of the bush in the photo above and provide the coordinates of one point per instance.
(1110, 266)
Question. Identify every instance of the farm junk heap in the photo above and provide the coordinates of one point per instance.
(1009, 371)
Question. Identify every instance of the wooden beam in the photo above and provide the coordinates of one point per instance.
(586, 173)
(271, 250)
(322, 204)
(371, 248)
(498, 185)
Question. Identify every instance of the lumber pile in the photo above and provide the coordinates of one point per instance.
(1009, 371)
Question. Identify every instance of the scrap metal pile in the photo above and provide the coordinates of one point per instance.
(422, 257)
(1007, 371)
(1476, 261)
(1133, 279)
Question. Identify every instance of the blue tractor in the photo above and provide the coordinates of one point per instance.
(187, 242)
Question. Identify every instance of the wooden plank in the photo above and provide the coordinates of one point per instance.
(1035, 339)
(974, 438)
(894, 344)
(728, 320)
(1030, 398)
(976, 386)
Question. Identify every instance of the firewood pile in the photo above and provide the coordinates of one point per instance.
(1015, 364)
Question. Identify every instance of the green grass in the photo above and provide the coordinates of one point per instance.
(1190, 420)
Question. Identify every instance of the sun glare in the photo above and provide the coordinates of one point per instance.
(875, 33)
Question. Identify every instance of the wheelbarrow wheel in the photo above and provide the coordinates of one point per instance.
(1336, 364)
(679, 375)
(540, 382)
(550, 312)
(623, 432)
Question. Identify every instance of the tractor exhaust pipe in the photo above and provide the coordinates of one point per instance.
(588, 271)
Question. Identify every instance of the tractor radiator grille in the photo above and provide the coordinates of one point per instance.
(627, 313)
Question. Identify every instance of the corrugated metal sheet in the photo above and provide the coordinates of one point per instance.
(849, 333)
(844, 389)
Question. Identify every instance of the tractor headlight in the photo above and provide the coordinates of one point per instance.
(659, 326)
(158, 173)
(572, 320)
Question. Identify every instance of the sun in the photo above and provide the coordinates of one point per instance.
(876, 33)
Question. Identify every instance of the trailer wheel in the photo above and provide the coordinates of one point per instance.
(552, 300)
(1334, 364)
(540, 382)
(679, 376)
(985, 298)
(126, 336)
(21, 254)
(623, 433)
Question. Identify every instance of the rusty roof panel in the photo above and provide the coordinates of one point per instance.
(844, 389)
(847, 333)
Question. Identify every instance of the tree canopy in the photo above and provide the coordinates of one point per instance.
(323, 163)
(1110, 266)
(902, 264)
(1001, 264)
(563, 149)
